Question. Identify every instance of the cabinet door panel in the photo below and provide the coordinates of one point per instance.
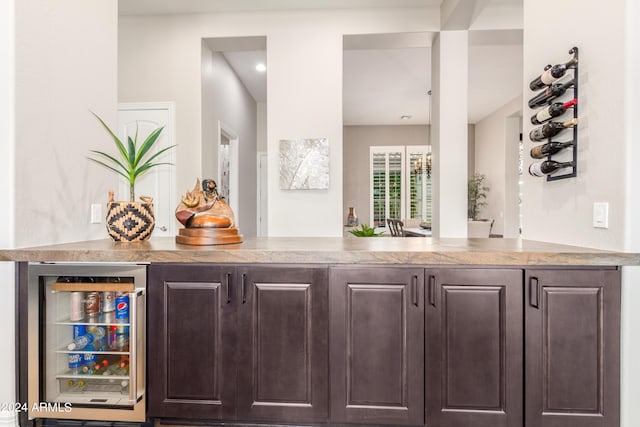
(191, 365)
(572, 343)
(377, 346)
(474, 348)
(283, 344)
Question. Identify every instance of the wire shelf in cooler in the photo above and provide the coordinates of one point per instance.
(101, 321)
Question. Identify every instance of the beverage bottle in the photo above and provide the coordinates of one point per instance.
(76, 360)
(92, 368)
(82, 341)
(549, 149)
(546, 167)
(551, 92)
(554, 110)
(550, 129)
(75, 363)
(552, 74)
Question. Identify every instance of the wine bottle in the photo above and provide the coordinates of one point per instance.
(549, 149)
(546, 167)
(551, 92)
(550, 129)
(551, 74)
(553, 110)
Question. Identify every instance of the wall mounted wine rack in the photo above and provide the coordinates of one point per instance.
(570, 171)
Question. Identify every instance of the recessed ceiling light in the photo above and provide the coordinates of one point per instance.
(261, 67)
(405, 117)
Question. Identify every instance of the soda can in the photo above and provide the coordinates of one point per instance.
(111, 338)
(77, 306)
(122, 307)
(109, 317)
(92, 304)
(108, 301)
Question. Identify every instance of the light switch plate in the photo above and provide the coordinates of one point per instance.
(601, 215)
(96, 213)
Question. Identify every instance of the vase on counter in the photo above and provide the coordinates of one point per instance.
(352, 218)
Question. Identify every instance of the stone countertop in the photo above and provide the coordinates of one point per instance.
(331, 250)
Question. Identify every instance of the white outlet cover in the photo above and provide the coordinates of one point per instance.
(601, 215)
(96, 213)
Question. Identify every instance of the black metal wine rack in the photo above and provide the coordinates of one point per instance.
(572, 171)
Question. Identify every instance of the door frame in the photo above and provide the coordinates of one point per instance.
(225, 131)
(262, 202)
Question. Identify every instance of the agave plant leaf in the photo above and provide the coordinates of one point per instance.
(122, 172)
(147, 144)
(132, 162)
(119, 144)
(119, 172)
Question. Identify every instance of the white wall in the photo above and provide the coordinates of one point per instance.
(492, 137)
(357, 140)
(65, 66)
(225, 100)
(304, 86)
(7, 214)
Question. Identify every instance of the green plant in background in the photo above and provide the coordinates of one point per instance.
(131, 163)
(477, 195)
(365, 231)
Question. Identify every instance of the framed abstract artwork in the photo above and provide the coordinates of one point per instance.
(304, 164)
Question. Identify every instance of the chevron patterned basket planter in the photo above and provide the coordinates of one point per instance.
(130, 221)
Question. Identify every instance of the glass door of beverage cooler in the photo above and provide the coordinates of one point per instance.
(92, 339)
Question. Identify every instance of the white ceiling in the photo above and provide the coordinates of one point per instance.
(385, 76)
(162, 7)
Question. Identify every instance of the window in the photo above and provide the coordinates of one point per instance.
(400, 183)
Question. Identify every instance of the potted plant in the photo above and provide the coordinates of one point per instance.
(477, 190)
(130, 221)
(365, 231)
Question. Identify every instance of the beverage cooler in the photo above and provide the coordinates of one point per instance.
(86, 341)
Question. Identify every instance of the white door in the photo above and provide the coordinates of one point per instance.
(158, 183)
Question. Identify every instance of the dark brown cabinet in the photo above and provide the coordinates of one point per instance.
(282, 344)
(441, 347)
(245, 343)
(191, 334)
(474, 348)
(377, 345)
(572, 347)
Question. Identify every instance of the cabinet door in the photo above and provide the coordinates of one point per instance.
(282, 344)
(377, 345)
(474, 348)
(191, 324)
(572, 372)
